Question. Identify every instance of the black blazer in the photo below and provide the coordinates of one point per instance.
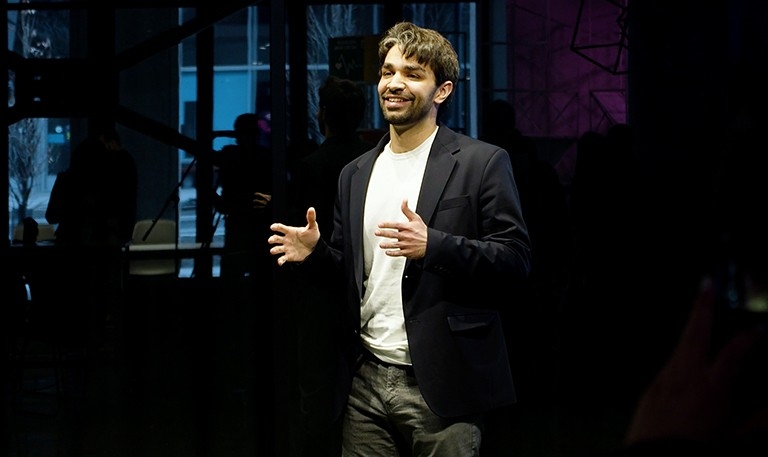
(477, 243)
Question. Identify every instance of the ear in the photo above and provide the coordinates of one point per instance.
(442, 92)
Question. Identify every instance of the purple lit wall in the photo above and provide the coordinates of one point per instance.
(568, 65)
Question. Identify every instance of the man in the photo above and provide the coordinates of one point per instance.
(428, 232)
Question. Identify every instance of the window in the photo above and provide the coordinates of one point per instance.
(38, 147)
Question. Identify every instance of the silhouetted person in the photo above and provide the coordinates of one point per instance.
(245, 177)
(610, 257)
(542, 196)
(243, 326)
(93, 203)
(83, 199)
(341, 110)
(342, 106)
(545, 209)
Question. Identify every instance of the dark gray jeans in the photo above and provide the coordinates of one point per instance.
(387, 417)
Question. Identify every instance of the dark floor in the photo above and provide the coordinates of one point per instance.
(178, 372)
(168, 376)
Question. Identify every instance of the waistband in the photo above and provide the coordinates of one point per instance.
(368, 356)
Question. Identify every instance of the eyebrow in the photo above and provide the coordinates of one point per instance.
(409, 67)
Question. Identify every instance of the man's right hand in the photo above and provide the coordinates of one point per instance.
(294, 244)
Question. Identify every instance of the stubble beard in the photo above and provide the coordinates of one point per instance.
(411, 115)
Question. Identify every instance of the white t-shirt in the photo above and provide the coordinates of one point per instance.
(395, 176)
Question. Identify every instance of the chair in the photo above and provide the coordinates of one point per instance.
(46, 232)
(18, 233)
(161, 236)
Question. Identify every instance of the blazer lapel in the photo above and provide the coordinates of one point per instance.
(440, 164)
(358, 189)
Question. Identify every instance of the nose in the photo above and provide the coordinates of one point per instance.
(395, 82)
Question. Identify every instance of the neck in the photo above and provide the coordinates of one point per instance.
(407, 138)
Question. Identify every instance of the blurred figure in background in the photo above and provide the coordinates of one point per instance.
(340, 113)
(93, 202)
(245, 178)
(245, 183)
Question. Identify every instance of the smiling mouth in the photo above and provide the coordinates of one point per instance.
(395, 101)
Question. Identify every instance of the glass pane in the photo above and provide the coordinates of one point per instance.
(37, 150)
(187, 54)
(331, 23)
(39, 34)
(37, 147)
(231, 40)
(241, 84)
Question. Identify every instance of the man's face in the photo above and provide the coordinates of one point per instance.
(407, 90)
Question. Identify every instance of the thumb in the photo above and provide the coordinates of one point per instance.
(407, 211)
(311, 218)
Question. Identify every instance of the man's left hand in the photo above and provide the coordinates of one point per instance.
(404, 239)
